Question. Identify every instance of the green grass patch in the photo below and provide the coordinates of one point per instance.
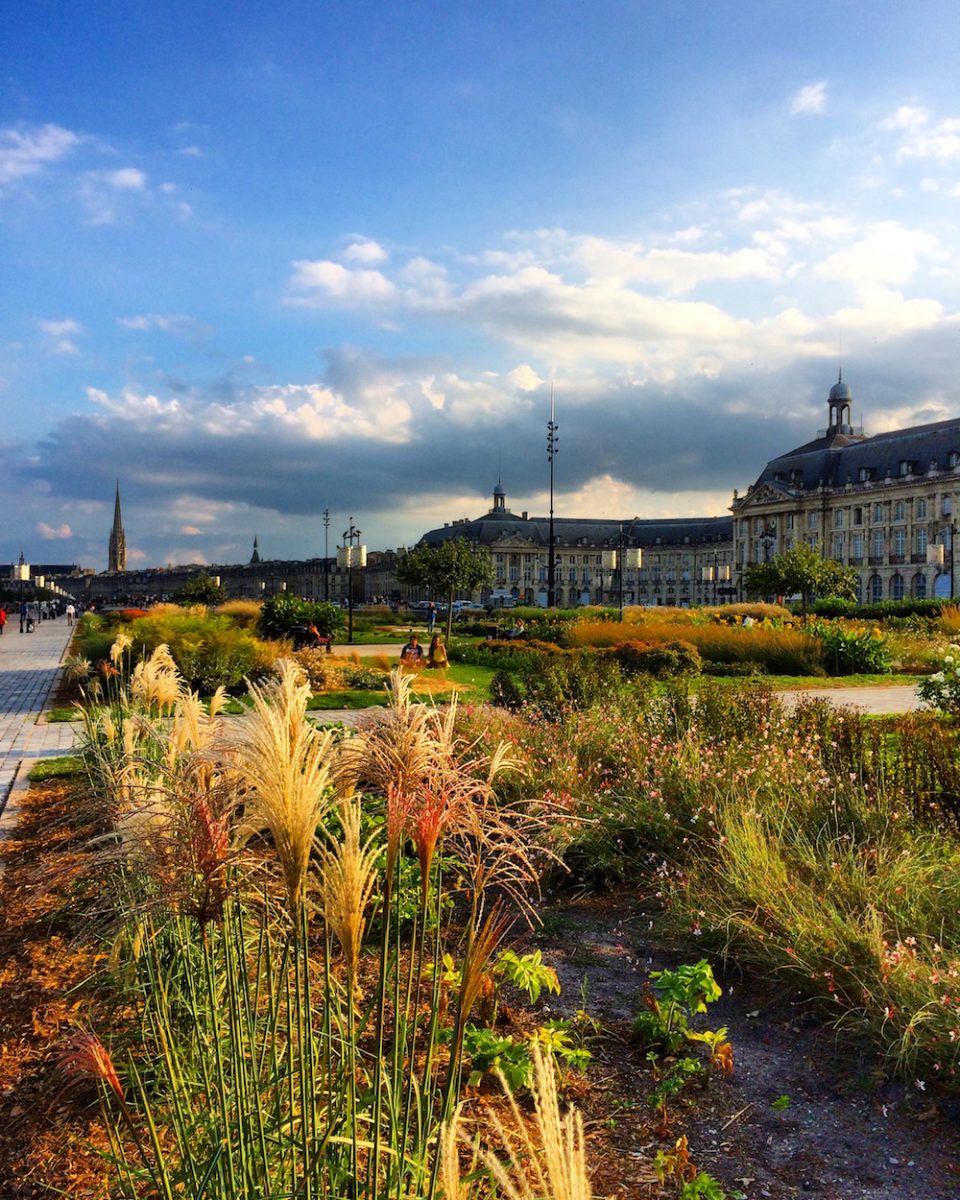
(56, 768)
(57, 716)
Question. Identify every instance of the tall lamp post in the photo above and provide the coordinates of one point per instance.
(552, 448)
(351, 554)
(326, 553)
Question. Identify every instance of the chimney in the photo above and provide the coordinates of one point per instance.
(523, 515)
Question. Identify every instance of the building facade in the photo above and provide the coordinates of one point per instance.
(685, 561)
(884, 505)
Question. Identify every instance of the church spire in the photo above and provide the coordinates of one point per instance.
(255, 556)
(117, 549)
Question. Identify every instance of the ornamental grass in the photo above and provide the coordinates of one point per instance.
(282, 908)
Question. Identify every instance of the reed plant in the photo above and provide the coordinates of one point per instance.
(275, 1049)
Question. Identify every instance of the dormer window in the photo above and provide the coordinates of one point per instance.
(866, 474)
(906, 467)
(954, 458)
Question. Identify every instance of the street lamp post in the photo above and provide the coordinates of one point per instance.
(552, 446)
(351, 554)
(326, 552)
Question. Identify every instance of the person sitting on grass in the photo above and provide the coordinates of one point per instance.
(412, 653)
(437, 654)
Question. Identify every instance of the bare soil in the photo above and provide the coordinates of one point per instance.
(848, 1132)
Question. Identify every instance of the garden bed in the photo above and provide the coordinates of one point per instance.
(843, 1132)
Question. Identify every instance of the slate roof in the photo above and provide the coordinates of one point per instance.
(835, 461)
(504, 526)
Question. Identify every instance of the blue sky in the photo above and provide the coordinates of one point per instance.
(259, 261)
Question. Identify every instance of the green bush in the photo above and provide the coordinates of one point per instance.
(744, 670)
(281, 613)
(851, 649)
(834, 606)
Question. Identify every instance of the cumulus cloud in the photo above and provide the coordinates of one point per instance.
(316, 281)
(920, 136)
(125, 179)
(810, 99)
(25, 151)
(51, 533)
(365, 250)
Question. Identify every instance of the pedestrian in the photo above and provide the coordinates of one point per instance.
(436, 655)
(431, 616)
(23, 615)
(3, 618)
(71, 613)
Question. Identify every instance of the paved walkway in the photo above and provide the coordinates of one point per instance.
(898, 698)
(29, 665)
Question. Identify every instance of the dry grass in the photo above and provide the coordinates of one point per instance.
(243, 613)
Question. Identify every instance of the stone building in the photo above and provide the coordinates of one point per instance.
(885, 505)
(685, 561)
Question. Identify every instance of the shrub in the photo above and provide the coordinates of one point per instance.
(661, 661)
(942, 689)
(851, 649)
(742, 670)
(242, 613)
(281, 613)
(323, 670)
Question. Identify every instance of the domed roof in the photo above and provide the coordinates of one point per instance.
(840, 392)
(498, 490)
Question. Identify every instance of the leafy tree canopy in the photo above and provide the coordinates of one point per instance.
(801, 570)
(201, 589)
(451, 567)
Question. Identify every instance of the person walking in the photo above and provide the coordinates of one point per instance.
(431, 616)
(23, 615)
(3, 618)
(71, 613)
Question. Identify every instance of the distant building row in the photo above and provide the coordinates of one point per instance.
(884, 505)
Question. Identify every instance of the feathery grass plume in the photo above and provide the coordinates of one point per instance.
(77, 669)
(348, 874)
(292, 771)
(156, 682)
(398, 750)
(84, 1056)
(553, 1154)
(209, 845)
(121, 642)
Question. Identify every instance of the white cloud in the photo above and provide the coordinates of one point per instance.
(51, 533)
(365, 250)
(61, 335)
(26, 151)
(810, 99)
(921, 138)
(525, 378)
(887, 254)
(190, 531)
(330, 279)
(125, 179)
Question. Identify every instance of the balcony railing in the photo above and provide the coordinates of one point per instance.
(897, 559)
(855, 562)
(875, 560)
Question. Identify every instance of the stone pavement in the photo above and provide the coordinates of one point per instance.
(897, 698)
(29, 666)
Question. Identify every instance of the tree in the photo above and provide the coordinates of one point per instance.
(801, 570)
(445, 569)
(201, 589)
(283, 612)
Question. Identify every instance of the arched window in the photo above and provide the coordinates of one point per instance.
(876, 589)
(919, 586)
(941, 587)
(896, 587)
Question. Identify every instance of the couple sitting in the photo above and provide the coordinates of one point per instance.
(412, 653)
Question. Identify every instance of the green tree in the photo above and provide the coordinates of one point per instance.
(201, 589)
(445, 569)
(282, 612)
(801, 570)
